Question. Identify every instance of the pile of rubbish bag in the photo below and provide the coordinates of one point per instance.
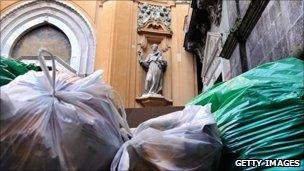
(53, 120)
(60, 122)
(10, 69)
(183, 140)
(260, 114)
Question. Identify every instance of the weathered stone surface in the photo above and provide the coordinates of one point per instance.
(266, 19)
(274, 11)
(267, 44)
(277, 34)
(296, 34)
(280, 50)
(243, 7)
(256, 55)
(295, 10)
(280, 26)
(235, 63)
(232, 12)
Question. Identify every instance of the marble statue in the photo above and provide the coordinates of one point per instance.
(155, 65)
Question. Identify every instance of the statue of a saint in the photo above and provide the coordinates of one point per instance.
(155, 65)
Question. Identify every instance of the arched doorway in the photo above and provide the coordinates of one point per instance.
(29, 15)
(45, 36)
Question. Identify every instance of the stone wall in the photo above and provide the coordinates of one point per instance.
(255, 32)
(278, 33)
(235, 62)
(231, 11)
(234, 12)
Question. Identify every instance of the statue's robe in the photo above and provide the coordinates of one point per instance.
(156, 65)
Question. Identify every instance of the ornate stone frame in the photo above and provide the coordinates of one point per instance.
(155, 32)
(213, 64)
(212, 48)
(30, 14)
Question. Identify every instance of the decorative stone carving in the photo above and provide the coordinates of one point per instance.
(196, 34)
(153, 27)
(213, 65)
(154, 18)
(155, 65)
(214, 8)
(212, 50)
(203, 14)
(29, 14)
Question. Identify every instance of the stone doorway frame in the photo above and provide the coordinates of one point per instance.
(30, 14)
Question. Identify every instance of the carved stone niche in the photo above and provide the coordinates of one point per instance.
(144, 44)
(154, 27)
(146, 40)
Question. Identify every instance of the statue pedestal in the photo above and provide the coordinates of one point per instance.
(153, 101)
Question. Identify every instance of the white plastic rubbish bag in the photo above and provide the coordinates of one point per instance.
(183, 140)
(59, 122)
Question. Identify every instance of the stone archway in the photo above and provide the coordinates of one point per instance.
(30, 14)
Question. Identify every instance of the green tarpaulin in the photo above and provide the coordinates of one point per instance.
(260, 114)
(10, 69)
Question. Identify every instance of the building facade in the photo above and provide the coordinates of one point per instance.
(92, 35)
(231, 37)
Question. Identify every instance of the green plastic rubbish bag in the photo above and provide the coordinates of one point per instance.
(260, 114)
(10, 69)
